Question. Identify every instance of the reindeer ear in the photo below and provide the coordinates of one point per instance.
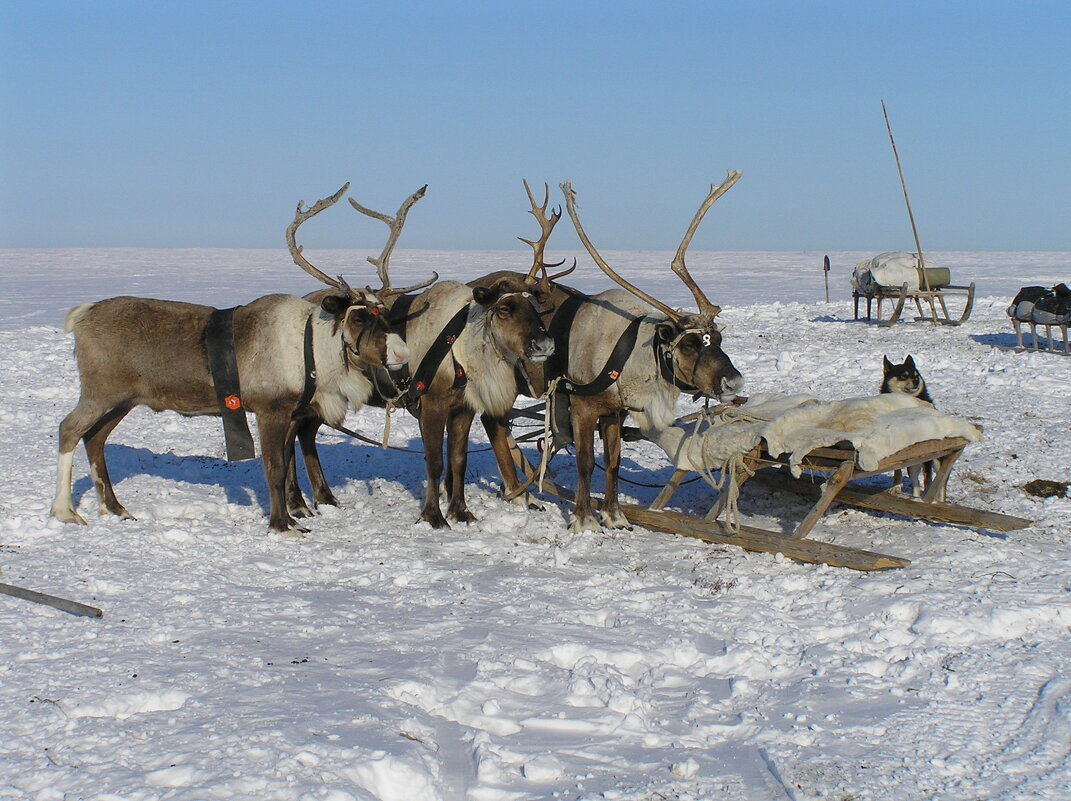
(483, 295)
(667, 332)
(335, 305)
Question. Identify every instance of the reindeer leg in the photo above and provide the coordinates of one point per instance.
(94, 440)
(914, 478)
(295, 501)
(583, 418)
(498, 436)
(321, 491)
(457, 448)
(85, 416)
(610, 428)
(276, 449)
(432, 427)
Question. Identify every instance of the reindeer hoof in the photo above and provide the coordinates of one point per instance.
(68, 515)
(615, 520)
(464, 516)
(577, 525)
(435, 520)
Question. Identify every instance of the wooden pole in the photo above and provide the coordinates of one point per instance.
(73, 607)
(910, 216)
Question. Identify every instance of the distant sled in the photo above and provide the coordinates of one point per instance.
(897, 276)
(1037, 305)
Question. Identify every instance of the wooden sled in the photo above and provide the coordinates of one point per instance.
(932, 297)
(1050, 339)
(829, 475)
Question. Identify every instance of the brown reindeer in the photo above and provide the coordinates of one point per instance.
(143, 352)
(672, 351)
(464, 345)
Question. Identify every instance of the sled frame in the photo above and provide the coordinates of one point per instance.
(1062, 327)
(831, 474)
(933, 298)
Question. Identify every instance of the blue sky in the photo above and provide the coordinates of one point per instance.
(195, 124)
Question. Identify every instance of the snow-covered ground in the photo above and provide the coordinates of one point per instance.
(377, 658)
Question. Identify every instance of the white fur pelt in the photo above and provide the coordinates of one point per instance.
(876, 426)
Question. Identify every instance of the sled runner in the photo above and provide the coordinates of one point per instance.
(896, 277)
(834, 472)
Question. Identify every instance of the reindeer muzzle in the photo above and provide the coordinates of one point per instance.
(539, 350)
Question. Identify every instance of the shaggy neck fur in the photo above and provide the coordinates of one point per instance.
(338, 385)
(491, 385)
(651, 401)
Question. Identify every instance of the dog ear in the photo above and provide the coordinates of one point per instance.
(886, 365)
(909, 363)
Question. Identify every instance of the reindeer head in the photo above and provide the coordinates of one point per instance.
(513, 321)
(690, 354)
(362, 321)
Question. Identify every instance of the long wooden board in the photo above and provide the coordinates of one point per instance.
(748, 537)
(757, 539)
(882, 501)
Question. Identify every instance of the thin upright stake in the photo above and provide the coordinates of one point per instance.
(910, 216)
(825, 272)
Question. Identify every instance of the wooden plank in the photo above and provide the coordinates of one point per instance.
(761, 540)
(829, 492)
(883, 501)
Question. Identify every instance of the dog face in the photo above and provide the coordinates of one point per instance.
(904, 378)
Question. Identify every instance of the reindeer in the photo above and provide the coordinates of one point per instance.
(142, 352)
(672, 351)
(466, 344)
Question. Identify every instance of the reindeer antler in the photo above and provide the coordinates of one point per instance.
(395, 224)
(706, 308)
(300, 215)
(546, 225)
(570, 204)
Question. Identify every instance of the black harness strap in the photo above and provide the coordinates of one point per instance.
(429, 365)
(223, 367)
(611, 371)
(557, 364)
(412, 385)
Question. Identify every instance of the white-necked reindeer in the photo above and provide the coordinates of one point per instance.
(673, 351)
(143, 352)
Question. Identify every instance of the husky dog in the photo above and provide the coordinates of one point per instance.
(905, 378)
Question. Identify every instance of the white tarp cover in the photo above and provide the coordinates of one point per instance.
(876, 426)
(893, 268)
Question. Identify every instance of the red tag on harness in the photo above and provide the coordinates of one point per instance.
(232, 402)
